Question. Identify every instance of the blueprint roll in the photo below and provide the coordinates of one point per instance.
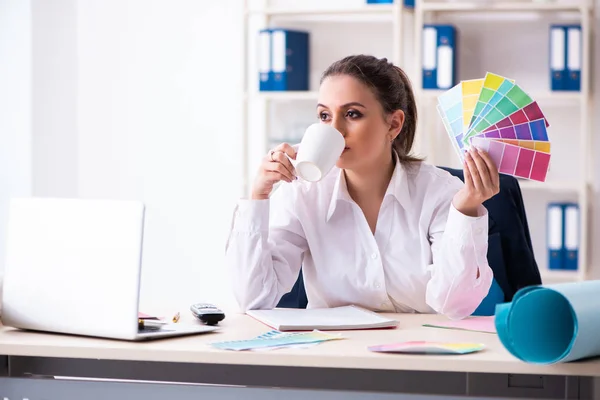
(550, 324)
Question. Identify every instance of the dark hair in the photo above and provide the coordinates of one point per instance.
(391, 87)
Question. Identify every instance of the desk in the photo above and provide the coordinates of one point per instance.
(343, 365)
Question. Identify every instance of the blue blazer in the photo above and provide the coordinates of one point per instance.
(510, 253)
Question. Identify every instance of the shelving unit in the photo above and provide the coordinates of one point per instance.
(392, 13)
(428, 12)
(492, 6)
(367, 9)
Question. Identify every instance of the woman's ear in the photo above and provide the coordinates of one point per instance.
(396, 122)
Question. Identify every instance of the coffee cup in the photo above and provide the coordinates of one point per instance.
(320, 148)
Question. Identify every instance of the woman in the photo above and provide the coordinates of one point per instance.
(383, 230)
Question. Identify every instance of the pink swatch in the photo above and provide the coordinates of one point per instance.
(514, 160)
(477, 324)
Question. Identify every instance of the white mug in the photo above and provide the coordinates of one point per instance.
(320, 148)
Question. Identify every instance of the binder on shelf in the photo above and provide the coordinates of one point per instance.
(573, 77)
(264, 60)
(439, 56)
(289, 60)
(407, 3)
(565, 57)
(555, 236)
(558, 57)
(571, 238)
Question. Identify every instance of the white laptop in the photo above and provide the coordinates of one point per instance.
(73, 266)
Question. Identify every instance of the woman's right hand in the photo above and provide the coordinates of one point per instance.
(275, 167)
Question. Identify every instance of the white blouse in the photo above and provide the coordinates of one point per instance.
(424, 256)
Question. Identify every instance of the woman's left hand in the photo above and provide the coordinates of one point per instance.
(482, 182)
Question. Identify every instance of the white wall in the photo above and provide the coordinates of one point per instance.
(54, 101)
(158, 120)
(15, 107)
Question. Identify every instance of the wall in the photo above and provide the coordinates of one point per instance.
(15, 107)
(158, 120)
(54, 101)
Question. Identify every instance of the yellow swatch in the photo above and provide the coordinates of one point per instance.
(470, 95)
(493, 81)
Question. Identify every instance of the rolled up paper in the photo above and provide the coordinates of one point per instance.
(551, 324)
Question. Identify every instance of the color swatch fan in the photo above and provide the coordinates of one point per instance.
(496, 115)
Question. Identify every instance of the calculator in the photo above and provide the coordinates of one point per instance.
(207, 313)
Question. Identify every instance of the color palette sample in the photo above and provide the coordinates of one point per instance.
(530, 112)
(456, 140)
(499, 107)
(470, 92)
(514, 160)
(534, 130)
(424, 347)
(276, 339)
(502, 118)
(495, 88)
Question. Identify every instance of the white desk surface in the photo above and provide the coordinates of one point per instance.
(347, 353)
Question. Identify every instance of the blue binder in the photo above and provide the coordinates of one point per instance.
(571, 236)
(558, 57)
(289, 60)
(565, 57)
(439, 56)
(574, 49)
(407, 3)
(555, 235)
(264, 60)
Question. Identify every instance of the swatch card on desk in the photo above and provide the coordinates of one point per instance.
(423, 347)
(276, 340)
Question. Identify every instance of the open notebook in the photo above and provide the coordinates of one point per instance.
(337, 318)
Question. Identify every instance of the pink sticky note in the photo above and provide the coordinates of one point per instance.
(478, 324)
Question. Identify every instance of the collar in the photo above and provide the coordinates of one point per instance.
(397, 188)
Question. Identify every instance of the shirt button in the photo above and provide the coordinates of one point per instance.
(384, 304)
(478, 231)
(377, 286)
(374, 256)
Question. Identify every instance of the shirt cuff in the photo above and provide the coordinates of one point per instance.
(251, 216)
(465, 228)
